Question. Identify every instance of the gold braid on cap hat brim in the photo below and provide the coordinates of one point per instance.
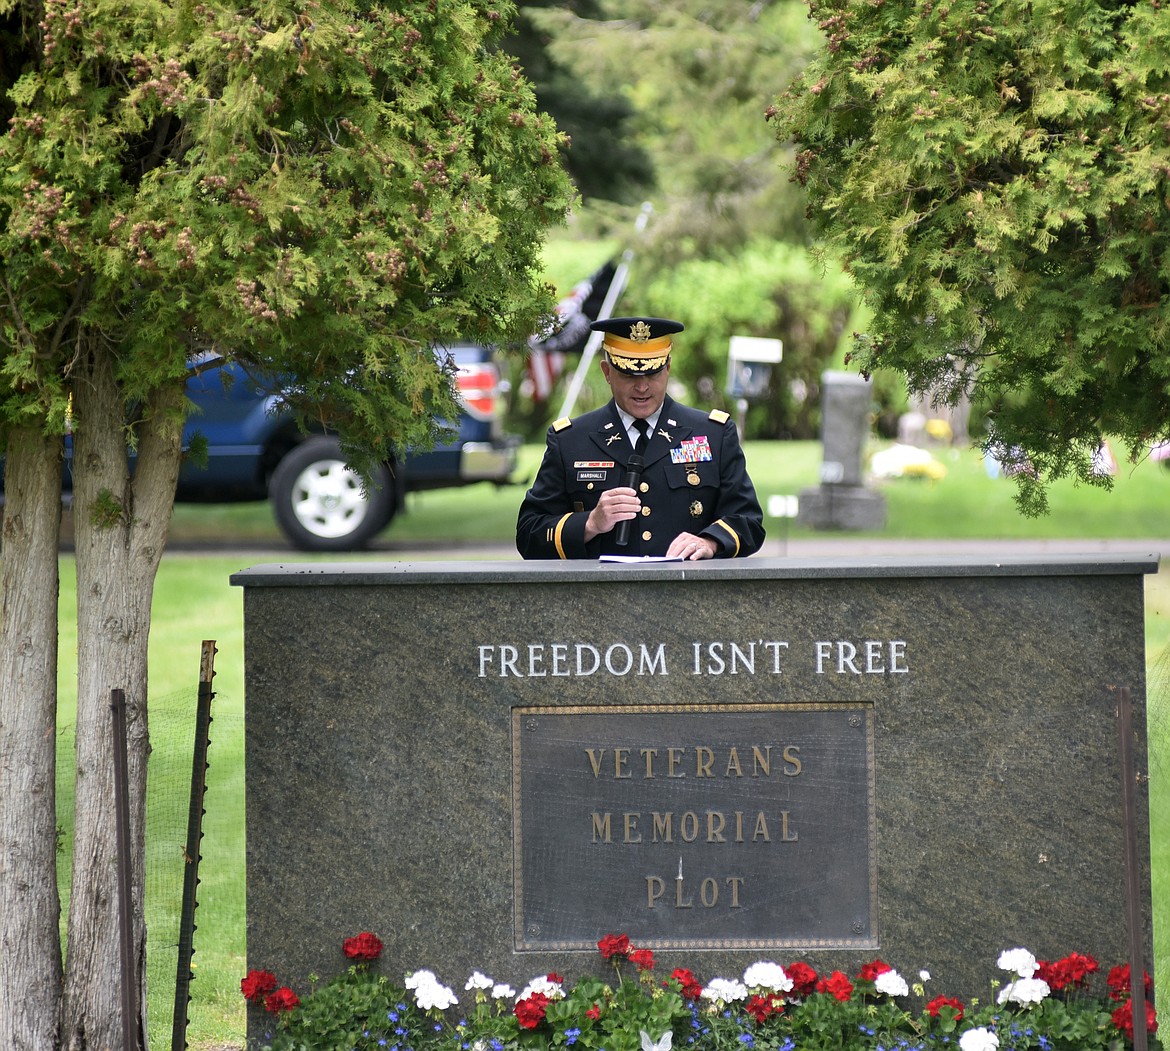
(637, 356)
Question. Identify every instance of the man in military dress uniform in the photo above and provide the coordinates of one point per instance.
(693, 499)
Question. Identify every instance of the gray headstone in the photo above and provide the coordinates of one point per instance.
(842, 501)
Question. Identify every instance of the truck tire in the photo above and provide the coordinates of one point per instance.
(319, 502)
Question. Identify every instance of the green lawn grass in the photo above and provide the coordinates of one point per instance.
(194, 601)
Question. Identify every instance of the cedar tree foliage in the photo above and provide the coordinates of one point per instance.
(322, 190)
(994, 174)
(319, 190)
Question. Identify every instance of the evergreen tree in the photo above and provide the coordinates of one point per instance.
(995, 176)
(320, 191)
(600, 150)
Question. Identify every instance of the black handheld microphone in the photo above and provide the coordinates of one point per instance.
(633, 477)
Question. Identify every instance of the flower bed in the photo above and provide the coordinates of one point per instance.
(1046, 1005)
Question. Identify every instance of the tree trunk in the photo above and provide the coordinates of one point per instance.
(30, 937)
(120, 527)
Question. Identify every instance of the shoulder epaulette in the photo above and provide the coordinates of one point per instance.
(719, 416)
(562, 423)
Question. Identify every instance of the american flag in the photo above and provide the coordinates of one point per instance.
(549, 352)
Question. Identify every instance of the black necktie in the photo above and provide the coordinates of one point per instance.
(643, 429)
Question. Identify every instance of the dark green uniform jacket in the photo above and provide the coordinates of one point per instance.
(694, 481)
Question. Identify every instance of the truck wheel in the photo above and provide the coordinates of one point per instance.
(319, 503)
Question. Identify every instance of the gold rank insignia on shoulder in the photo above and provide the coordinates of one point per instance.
(562, 423)
(719, 416)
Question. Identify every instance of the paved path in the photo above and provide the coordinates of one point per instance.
(838, 546)
(835, 546)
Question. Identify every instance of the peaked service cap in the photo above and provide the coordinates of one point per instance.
(637, 346)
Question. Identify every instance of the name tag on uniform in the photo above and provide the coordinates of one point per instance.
(592, 476)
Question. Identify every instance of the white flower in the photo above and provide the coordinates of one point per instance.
(478, 980)
(924, 975)
(891, 983)
(1018, 961)
(502, 992)
(980, 1039)
(434, 994)
(725, 990)
(429, 991)
(767, 975)
(542, 984)
(1023, 991)
(661, 1044)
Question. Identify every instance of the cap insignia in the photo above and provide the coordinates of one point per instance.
(640, 332)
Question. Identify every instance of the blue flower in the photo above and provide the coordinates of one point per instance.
(571, 1035)
(497, 1044)
(746, 1039)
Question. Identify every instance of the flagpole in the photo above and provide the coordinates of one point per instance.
(616, 287)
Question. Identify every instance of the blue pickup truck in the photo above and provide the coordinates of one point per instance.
(256, 451)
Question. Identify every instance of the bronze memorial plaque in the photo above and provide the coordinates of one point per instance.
(695, 826)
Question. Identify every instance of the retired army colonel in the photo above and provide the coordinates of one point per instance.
(693, 499)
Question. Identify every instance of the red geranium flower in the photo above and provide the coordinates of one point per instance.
(256, 985)
(552, 976)
(837, 984)
(364, 946)
(594, 1012)
(764, 1006)
(804, 978)
(938, 1002)
(871, 970)
(530, 1011)
(690, 987)
(1123, 1018)
(1119, 984)
(643, 958)
(614, 945)
(282, 999)
(1073, 970)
